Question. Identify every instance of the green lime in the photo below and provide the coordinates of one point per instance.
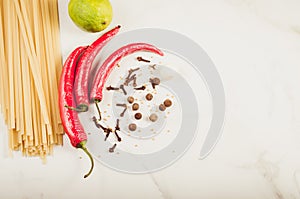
(91, 15)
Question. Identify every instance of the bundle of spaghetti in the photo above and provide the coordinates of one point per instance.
(30, 59)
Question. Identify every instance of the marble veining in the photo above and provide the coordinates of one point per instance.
(270, 171)
(164, 193)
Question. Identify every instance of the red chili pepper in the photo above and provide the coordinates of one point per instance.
(84, 67)
(69, 117)
(107, 66)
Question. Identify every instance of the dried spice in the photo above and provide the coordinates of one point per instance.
(112, 149)
(140, 88)
(112, 88)
(162, 107)
(168, 103)
(132, 127)
(130, 99)
(149, 97)
(142, 59)
(138, 116)
(153, 117)
(135, 106)
(123, 89)
(154, 81)
(125, 108)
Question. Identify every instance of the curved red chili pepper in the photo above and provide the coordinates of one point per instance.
(84, 67)
(105, 69)
(69, 117)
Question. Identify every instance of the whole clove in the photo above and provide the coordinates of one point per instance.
(112, 149)
(129, 77)
(112, 88)
(140, 88)
(117, 128)
(123, 112)
(134, 82)
(142, 59)
(122, 105)
(130, 71)
(118, 137)
(125, 108)
(123, 89)
(154, 82)
(132, 78)
(108, 131)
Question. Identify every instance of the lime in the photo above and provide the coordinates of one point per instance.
(91, 15)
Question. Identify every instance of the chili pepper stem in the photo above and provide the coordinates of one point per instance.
(73, 108)
(98, 109)
(82, 146)
(80, 108)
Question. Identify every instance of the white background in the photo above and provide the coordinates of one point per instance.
(255, 45)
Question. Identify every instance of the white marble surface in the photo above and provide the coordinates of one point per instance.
(255, 45)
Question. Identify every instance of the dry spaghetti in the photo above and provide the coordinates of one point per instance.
(30, 61)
